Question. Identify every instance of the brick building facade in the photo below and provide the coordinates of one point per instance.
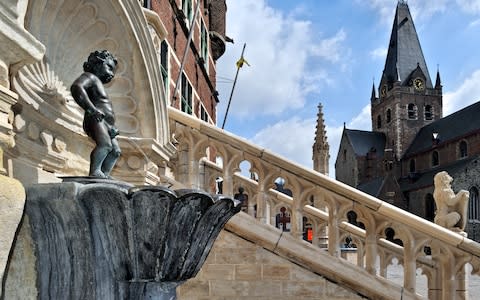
(410, 140)
(189, 74)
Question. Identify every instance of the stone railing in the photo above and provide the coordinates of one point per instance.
(377, 230)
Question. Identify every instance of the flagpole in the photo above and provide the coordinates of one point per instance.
(233, 87)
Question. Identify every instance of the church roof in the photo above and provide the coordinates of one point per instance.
(372, 187)
(404, 52)
(364, 141)
(458, 124)
(423, 180)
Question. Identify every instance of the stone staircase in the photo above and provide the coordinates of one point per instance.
(383, 233)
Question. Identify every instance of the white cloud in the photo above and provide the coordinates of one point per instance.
(330, 49)
(280, 52)
(468, 93)
(273, 82)
(469, 6)
(363, 121)
(474, 23)
(379, 53)
(292, 138)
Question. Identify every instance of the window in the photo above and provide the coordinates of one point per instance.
(146, 3)
(187, 8)
(473, 205)
(204, 46)
(462, 149)
(412, 166)
(186, 95)
(412, 111)
(389, 115)
(203, 113)
(435, 160)
(164, 66)
(379, 122)
(428, 113)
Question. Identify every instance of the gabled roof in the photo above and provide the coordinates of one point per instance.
(423, 180)
(363, 141)
(372, 187)
(404, 52)
(458, 124)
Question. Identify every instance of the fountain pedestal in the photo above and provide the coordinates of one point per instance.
(108, 240)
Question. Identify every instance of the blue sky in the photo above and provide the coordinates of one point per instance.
(305, 52)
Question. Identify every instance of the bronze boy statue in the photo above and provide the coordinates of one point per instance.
(99, 119)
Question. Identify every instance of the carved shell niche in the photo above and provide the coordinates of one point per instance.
(70, 30)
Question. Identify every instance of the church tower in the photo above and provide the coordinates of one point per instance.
(407, 100)
(320, 147)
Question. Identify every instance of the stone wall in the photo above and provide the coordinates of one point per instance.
(239, 269)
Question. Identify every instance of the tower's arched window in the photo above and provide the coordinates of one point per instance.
(462, 149)
(429, 207)
(389, 115)
(428, 112)
(473, 205)
(412, 166)
(435, 160)
(412, 111)
(379, 122)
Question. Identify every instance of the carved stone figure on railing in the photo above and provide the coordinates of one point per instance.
(451, 208)
(99, 120)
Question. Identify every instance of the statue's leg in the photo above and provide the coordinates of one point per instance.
(102, 149)
(111, 158)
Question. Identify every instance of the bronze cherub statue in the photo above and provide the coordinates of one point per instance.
(99, 120)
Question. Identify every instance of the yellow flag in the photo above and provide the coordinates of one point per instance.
(241, 61)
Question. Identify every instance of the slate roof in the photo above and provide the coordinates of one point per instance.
(362, 141)
(372, 187)
(404, 52)
(426, 179)
(460, 123)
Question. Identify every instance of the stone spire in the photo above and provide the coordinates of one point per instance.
(321, 148)
(438, 81)
(404, 51)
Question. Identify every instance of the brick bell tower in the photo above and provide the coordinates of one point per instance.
(407, 100)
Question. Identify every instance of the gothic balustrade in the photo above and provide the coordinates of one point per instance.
(380, 232)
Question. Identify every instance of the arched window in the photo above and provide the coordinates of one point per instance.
(462, 149)
(429, 207)
(389, 115)
(412, 166)
(412, 111)
(435, 160)
(428, 112)
(379, 122)
(473, 205)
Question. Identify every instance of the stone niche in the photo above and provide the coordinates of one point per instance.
(47, 122)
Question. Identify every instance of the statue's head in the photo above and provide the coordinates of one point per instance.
(442, 179)
(102, 64)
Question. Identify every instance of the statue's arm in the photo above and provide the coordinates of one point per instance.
(80, 95)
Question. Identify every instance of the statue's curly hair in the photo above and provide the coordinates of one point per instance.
(97, 57)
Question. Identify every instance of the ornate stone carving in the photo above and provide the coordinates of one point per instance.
(451, 208)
